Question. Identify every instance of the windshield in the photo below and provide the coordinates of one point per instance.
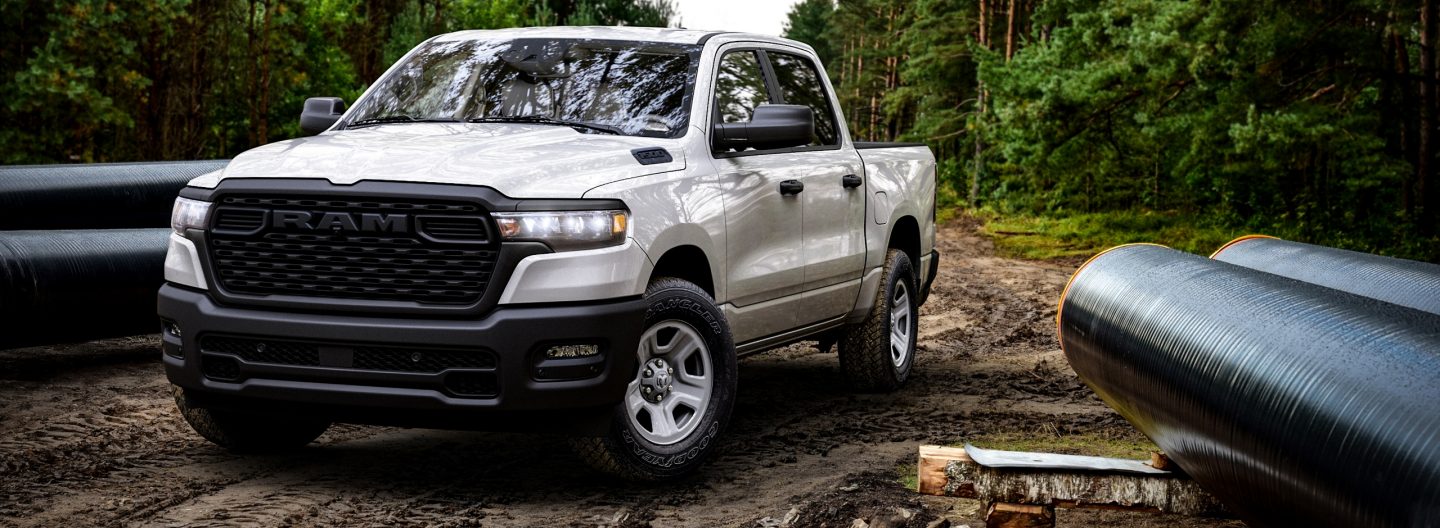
(630, 88)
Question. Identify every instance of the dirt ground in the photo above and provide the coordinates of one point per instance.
(90, 437)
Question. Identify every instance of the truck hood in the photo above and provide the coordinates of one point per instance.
(519, 160)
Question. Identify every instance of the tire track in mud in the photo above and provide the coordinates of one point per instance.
(89, 436)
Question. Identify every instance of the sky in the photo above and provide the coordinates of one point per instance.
(753, 16)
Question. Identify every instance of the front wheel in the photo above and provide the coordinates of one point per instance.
(876, 354)
(249, 433)
(682, 393)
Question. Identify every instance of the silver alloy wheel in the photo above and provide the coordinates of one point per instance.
(899, 325)
(671, 390)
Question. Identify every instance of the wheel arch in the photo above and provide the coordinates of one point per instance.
(905, 236)
(686, 262)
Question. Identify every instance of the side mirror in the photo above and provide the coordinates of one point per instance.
(320, 114)
(772, 126)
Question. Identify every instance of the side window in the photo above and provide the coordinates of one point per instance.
(739, 87)
(800, 84)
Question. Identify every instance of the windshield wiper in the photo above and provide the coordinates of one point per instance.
(396, 119)
(546, 120)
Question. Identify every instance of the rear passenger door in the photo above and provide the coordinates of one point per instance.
(833, 203)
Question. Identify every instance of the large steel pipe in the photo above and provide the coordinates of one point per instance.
(65, 286)
(1393, 280)
(1295, 404)
(94, 196)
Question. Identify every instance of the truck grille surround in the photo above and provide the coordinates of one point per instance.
(428, 252)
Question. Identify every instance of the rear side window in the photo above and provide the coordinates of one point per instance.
(800, 84)
(739, 87)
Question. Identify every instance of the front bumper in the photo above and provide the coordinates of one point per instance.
(528, 391)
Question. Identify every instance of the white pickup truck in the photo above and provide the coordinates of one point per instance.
(563, 229)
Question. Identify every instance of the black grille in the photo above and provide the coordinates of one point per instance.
(436, 253)
(472, 383)
(453, 227)
(358, 357)
(264, 351)
(220, 367)
(242, 220)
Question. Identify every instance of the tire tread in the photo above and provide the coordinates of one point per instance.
(241, 433)
(606, 453)
(865, 347)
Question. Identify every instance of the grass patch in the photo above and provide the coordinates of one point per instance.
(909, 476)
(1132, 446)
(1082, 235)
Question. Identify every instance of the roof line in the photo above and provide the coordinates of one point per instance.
(707, 36)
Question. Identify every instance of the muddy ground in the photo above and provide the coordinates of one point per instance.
(90, 437)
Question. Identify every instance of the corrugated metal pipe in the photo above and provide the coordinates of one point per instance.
(66, 286)
(94, 196)
(1398, 281)
(1295, 404)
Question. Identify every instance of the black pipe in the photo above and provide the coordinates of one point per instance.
(94, 196)
(1295, 404)
(1403, 282)
(68, 286)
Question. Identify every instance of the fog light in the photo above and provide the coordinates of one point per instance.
(572, 351)
(170, 339)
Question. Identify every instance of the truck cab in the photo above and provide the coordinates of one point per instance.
(576, 230)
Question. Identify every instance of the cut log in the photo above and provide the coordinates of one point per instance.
(931, 468)
(1070, 486)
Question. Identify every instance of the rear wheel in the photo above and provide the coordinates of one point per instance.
(876, 355)
(249, 433)
(682, 393)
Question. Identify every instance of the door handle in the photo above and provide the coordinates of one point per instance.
(789, 187)
(851, 181)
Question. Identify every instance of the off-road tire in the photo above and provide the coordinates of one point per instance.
(865, 351)
(623, 451)
(249, 433)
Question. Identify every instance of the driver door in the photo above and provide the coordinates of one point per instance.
(765, 258)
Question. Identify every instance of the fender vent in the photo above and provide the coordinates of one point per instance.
(652, 155)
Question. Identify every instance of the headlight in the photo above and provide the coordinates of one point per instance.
(188, 214)
(566, 230)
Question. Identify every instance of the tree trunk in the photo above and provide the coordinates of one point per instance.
(859, 77)
(1010, 32)
(262, 127)
(983, 41)
(252, 65)
(1394, 90)
(1425, 160)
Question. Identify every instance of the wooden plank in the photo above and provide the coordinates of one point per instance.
(931, 467)
(1010, 515)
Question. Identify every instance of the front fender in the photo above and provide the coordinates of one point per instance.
(671, 210)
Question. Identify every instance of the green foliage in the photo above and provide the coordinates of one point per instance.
(809, 22)
(1171, 119)
(1085, 234)
(121, 80)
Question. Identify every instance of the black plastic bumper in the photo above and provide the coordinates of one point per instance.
(525, 391)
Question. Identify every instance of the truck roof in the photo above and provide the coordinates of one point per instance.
(644, 34)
